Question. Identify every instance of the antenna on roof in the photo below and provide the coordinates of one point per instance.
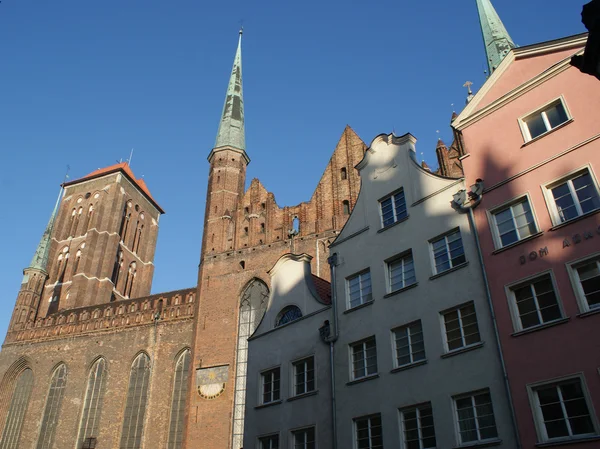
(130, 158)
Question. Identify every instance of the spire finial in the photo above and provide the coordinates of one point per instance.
(496, 39)
(231, 128)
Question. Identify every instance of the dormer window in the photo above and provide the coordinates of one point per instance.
(544, 120)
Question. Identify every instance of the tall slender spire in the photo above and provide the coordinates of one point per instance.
(231, 129)
(40, 258)
(496, 39)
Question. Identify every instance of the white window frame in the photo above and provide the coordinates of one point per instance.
(549, 197)
(355, 430)
(394, 212)
(491, 214)
(472, 394)
(541, 111)
(584, 307)
(410, 343)
(388, 275)
(443, 327)
(259, 444)
(512, 303)
(351, 358)
(417, 408)
(261, 381)
(539, 419)
(293, 364)
(300, 429)
(445, 237)
(362, 300)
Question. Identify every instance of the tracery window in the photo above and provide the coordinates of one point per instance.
(92, 405)
(53, 403)
(253, 306)
(180, 385)
(287, 315)
(135, 407)
(16, 410)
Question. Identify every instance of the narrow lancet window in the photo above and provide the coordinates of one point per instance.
(92, 405)
(180, 385)
(16, 410)
(52, 410)
(135, 407)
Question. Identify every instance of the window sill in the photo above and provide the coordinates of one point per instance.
(385, 228)
(409, 366)
(400, 290)
(541, 327)
(486, 443)
(270, 404)
(589, 313)
(303, 395)
(462, 350)
(573, 220)
(363, 379)
(541, 136)
(569, 441)
(449, 270)
(365, 304)
(512, 245)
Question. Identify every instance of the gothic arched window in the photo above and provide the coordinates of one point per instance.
(180, 387)
(117, 268)
(252, 308)
(129, 280)
(135, 407)
(92, 404)
(16, 410)
(53, 403)
(287, 315)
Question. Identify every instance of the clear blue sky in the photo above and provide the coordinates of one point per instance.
(82, 82)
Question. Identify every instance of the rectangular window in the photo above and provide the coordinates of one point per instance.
(270, 381)
(587, 280)
(364, 358)
(417, 427)
(368, 432)
(513, 223)
(269, 442)
(475, 417)
(304, 438)
(461, 327)
(401, 272)
(393, 208)
(359, 289)
(544, 120)
(573, 197)
(408, 343)
(535, 302)
(448, 252)
(562, 411)
(304, 376)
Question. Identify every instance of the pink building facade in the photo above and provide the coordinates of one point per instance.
(532, 133)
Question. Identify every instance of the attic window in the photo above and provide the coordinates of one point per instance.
(343, 173)
(544, 119)
(287, 315)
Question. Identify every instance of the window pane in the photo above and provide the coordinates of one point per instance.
(556, 115)
(564, 202)
(135, 407)
(586, 193)
(94, 398)
(178, 401)
(536, 125)
(52, 409)
(589, 276)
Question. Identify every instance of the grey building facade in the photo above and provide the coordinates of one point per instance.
(416, 359)
(288, 382)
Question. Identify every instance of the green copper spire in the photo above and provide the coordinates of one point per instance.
(40, 258)
(495, 37)
(231, 128)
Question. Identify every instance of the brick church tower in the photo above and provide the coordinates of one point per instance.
(245, 233)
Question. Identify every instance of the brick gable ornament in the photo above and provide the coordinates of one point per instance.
(211, 381)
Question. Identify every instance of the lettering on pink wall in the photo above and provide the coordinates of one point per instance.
(533, 255)
(575, 239)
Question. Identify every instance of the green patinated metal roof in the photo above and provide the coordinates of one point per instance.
(40, 258)
(495, 37)
(231, 129)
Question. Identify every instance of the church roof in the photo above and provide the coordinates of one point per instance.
(231, 128)
(126, 170)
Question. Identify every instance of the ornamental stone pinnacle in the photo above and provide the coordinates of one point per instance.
(231, 128)
(496, 39)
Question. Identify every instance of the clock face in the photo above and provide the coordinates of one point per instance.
(211, 391)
